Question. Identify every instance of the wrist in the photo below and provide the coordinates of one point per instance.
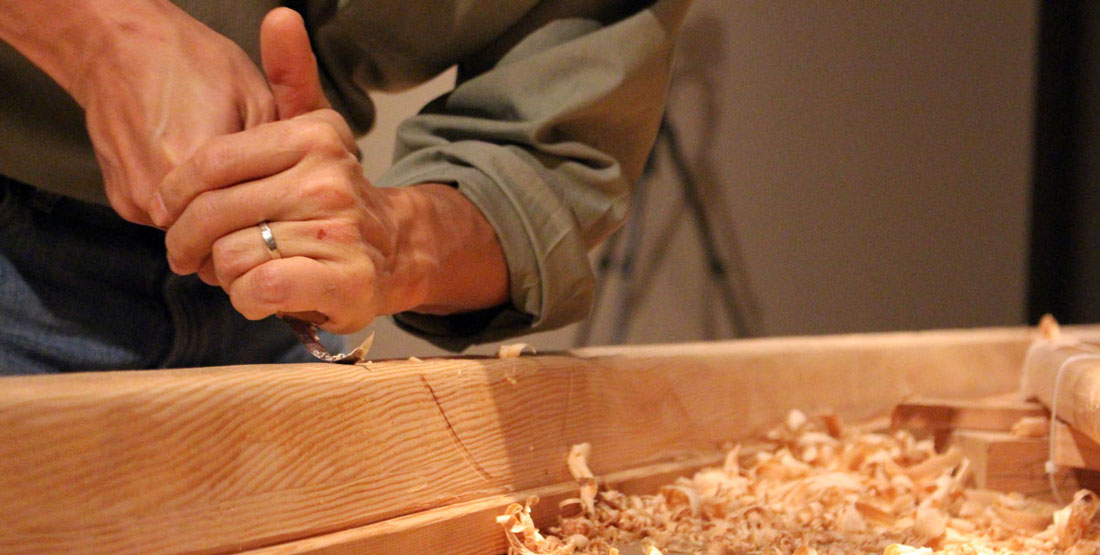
(72, 41)
(448, 258)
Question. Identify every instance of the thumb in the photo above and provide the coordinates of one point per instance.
(289, 64)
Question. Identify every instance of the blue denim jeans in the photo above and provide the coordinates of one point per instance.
(81, 289)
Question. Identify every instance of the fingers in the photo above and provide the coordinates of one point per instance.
(289, 64)
(300, 284)
(302, 194)
(239, 252)
(330, 273)
(249, 155)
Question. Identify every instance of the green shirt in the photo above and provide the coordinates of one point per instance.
(555, 109)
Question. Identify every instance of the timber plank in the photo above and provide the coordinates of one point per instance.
(938, 418)
(1074, 449)
(471, 527)
(923, 414)
(224, 459)
(1004, 462)
(1077, 398)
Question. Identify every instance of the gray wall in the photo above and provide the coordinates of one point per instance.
(867, 162)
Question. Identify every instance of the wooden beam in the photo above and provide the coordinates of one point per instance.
(1062, 370)
(225, 459)
(1074, 449)
(471, 527)
(1077, 399)
(1004, 462)
(945, 418)
(939, 418)
(924, 414)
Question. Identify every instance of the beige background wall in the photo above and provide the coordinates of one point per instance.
(872, 160)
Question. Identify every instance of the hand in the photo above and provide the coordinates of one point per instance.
(348, 250)
(163, 87)
(154, 84)
(334, 231)
(301, 175)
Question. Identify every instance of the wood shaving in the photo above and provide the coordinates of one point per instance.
(1031, 426)
(514, 350)
(815, 487)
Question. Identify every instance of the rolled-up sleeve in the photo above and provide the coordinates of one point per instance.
(547, 141)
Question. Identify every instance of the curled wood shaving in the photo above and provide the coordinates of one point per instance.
(514, 350)
(1048, 328)
(578, 468)
(815, 488)
(1071, 523)
(1031, 426)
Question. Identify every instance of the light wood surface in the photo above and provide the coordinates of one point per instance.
(923, 414)
(1074, 449)
(470, 527)
(223, 459)
(1076, 395)
(940, 418)
(1003, 462)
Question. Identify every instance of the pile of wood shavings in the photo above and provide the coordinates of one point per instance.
(814, 487)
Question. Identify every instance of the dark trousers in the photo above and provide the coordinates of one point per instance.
(81, 289)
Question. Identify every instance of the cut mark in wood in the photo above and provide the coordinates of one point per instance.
(454, 434)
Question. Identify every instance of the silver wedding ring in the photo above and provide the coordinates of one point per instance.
(269, 240)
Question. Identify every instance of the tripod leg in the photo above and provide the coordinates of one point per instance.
(694, 198)
(604, 267)
(624, 305)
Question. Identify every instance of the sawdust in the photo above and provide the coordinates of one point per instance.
(815, 487)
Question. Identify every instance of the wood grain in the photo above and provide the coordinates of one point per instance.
(939, 418)
(1074, 449)
(923, 414)
(224, 459)
(471, 527)
(1003, 462)
(1077, 396)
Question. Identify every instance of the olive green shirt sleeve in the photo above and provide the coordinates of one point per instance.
(548, 128)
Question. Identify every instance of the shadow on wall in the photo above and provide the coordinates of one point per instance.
(679, 177)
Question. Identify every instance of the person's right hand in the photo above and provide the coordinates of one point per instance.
(163, 85)
(346, 251)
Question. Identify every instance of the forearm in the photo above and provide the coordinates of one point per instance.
(547, 143)
(450, 259)
(67, 39)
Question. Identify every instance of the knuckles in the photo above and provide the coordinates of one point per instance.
(268, 286)
(229, 262)
(182, 241)
(210, 160)
(319, 136)
(328, 190)
(338, 231)
(204, 208)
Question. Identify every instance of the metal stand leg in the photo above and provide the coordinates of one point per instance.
(634, 277)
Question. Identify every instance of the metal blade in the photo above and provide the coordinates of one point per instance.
(307, 334)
